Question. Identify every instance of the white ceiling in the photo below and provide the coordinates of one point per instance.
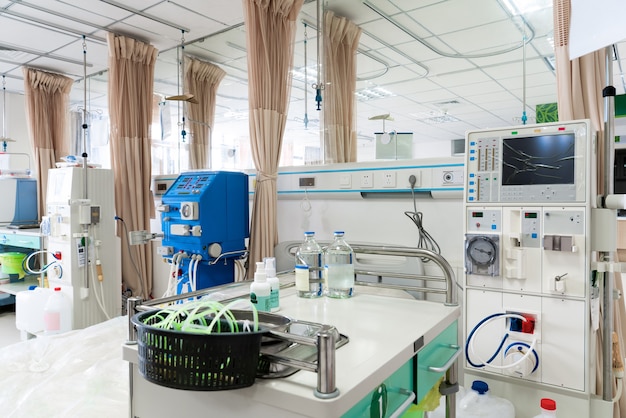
(454, 61)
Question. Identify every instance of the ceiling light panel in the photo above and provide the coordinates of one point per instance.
(372, 93)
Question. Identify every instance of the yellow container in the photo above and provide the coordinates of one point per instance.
(12, 263)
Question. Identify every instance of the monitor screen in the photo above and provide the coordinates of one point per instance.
(543, 159)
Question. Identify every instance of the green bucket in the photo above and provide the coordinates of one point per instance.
(12, 263)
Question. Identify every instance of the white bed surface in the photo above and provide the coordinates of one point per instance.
(77, 374)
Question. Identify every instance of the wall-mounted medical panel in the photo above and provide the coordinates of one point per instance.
(436, 178)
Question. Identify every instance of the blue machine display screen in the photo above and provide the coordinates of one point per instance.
(188, 184)
(544, 159)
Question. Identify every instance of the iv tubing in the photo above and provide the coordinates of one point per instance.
(469, 344)
(99, 298)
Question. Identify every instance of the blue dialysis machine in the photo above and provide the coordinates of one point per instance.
(204, 218)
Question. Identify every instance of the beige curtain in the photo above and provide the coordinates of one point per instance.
(579, 86)
(341, 39)
(270, 32)
(131, 81)
(47, 105)
(202, 80)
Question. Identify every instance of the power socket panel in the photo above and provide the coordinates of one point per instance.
(389, 179)
(367, 180)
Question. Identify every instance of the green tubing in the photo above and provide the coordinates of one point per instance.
(192, 317)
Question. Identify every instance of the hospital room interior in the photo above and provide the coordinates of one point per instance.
(312, 208)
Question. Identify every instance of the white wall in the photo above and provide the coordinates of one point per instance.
(375, 220)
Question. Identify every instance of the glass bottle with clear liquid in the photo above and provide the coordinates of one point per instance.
(339, 268)
(309, 278)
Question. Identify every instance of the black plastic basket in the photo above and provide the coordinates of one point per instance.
(203, 362)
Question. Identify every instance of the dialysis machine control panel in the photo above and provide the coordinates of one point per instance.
(204, 215)
(540, 164)
(527, 253)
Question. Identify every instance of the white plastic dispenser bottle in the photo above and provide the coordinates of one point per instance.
(260, 289)
(339, 268)
(548, 408)
(270, 272)
(309, 261)
(57, 314)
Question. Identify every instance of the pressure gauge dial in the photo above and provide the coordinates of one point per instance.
(482, 251)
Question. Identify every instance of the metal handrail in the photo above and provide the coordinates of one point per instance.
(442, 263)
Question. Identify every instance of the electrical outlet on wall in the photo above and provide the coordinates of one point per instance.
(367, 180)
(389, 179)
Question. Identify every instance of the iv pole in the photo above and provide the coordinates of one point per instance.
(608, 93)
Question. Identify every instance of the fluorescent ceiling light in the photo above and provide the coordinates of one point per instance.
(434, 117)
(371, 93)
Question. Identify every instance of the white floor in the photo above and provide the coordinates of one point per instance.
(8, 333)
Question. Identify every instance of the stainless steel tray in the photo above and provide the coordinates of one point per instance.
(284, 351)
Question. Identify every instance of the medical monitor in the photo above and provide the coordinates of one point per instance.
(541, 159)
(531, 163)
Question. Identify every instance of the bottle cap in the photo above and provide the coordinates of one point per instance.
(270, 267)
(259, 275)
(480, 387)
(548, 404)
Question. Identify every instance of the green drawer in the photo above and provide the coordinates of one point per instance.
(23, 241)
(435, 355)
(395, 392)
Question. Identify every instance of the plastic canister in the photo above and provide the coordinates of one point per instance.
(29, 306)
(477, 403)
(548, 408)
(57, 313)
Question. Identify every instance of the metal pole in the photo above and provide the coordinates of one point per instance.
(326, 384)
(607, 299)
